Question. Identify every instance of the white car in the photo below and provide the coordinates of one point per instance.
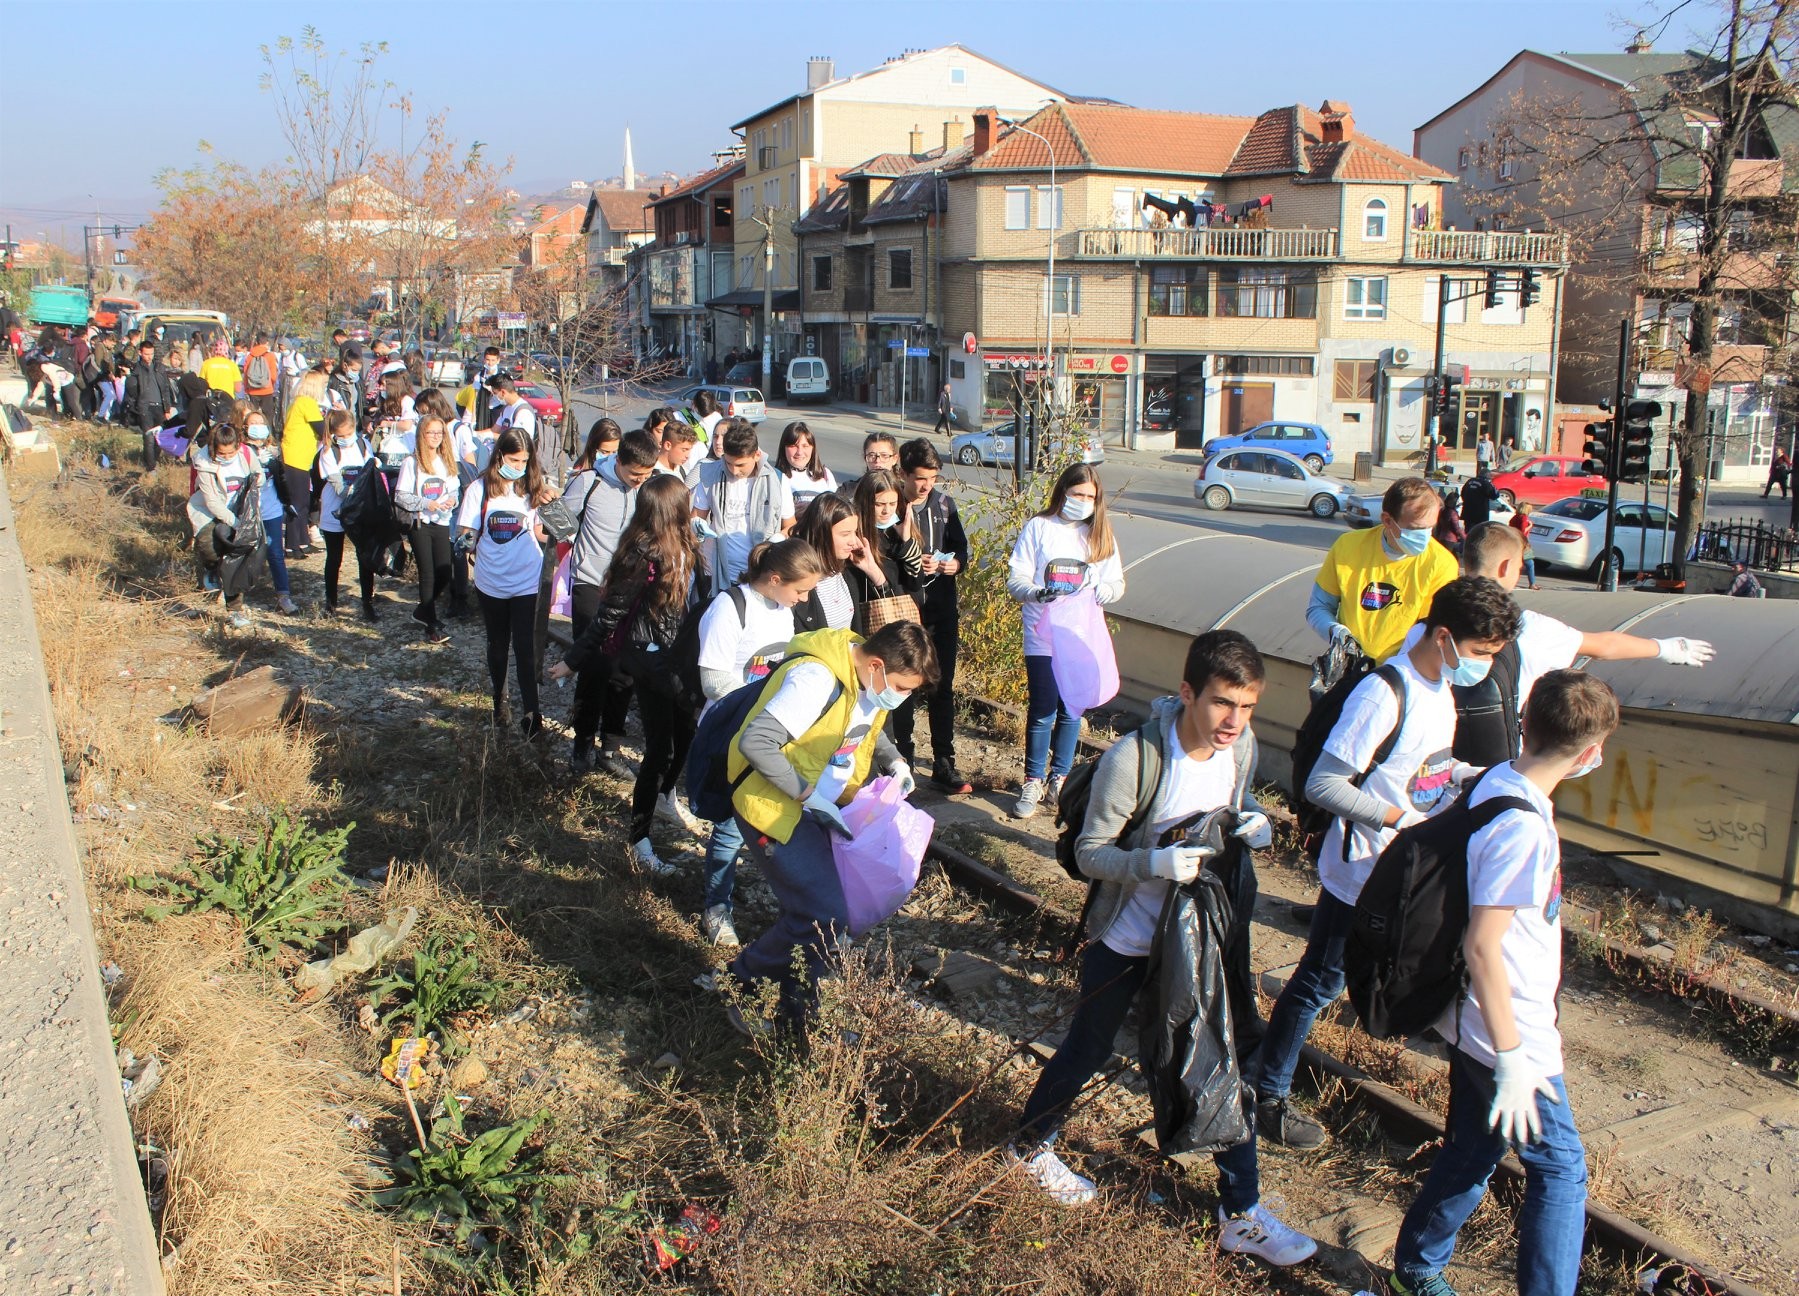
(1266, 478)
(733, 401)
(1571, 533)
(1364, 511)
(997, 445)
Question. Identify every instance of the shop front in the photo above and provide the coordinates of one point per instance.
(1506, 407)
(1098, 389)
(1174, 399)
(1008, 380)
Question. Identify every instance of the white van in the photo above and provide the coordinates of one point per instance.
(808, 378)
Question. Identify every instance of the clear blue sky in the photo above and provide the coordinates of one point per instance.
(553, 83)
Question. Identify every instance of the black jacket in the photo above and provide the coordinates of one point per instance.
(937, 527)
(149, 396)
(626, 606)
(349, 389)
(810, 615)
(1478, 494)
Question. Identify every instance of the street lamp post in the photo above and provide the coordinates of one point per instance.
(1049, 286)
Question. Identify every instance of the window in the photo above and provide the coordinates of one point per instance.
(721, 211)
(1509, 311)
(1018, 207)
(1374, 220)
(1507, 164)
(1355, 380)
(821, 274)
(1251, 292)
(1065, 295)
(1049, 205)
(1365, 297)
(958, 369)
(899, 268)
(958, 76)
(1177, 290)
(1461, 158)
(1278, 366)
(743, 270)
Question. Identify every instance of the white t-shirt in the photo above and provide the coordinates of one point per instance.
(1515, 862)
(520, 416)
(345, 462)
(835, 599)
(1053, 552)
(440, 491)
(749, 648)
(396, 444)
(802, 699)
(1189, 787)
(508, 559)
(730, 517)
(805, 488)
(1416, 776)
(1544, 645)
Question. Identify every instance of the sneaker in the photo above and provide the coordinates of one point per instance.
(287, 605)
(580, 760)
(1049, 1173)
(716, 924)
(1428, 1285)
(1052, 788)
(532, 724)
(422, 618)
(643, 855)
(949, 779)
(437, 635)
(1258, 1233)
(670, 810)
(1278, 1122)
(748, 1027)
(502, 714)
(208, 581)
(613, 762)
(1029, 797)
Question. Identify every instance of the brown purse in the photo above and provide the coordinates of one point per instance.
(891, 608)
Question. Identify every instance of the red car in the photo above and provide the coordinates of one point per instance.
(1544, 479)
(545, 402)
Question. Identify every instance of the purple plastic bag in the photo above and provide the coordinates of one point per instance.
(173, 441)
(1080, 651)
(878, 863)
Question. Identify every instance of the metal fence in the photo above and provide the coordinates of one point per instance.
(1764, 547)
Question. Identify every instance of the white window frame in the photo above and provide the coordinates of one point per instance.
(1050, 204)
(1071, 294)
(1462, 158)
(1374, 221)
(1359, 292)
(1017, 194)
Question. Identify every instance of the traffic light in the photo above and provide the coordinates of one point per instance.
(1598, 450)
(1493, 284)
(1528, 289)
(1633, 443)
(1445, 396)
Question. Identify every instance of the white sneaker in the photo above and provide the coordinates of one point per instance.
(1258, 1233)
(1029, 797)
(287, 605)
(670, 809)
(643, 854)
(716, 924)
(1052, 790)
(1050, 1174)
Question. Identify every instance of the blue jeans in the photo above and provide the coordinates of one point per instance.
(271, 529)
(1109, 985)
(813, 915)
(1051, 730)
(1530, 571)
(1315, 983)
(1552, 1221)
(721, 862)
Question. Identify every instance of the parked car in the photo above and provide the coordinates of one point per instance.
(180, 326)
(734, 401)
(1307, 442)
(443, 365)
(1364, 511)
(997, 445)
(809, 378)
(544, 401)
(546, 364)
(1571, 533)
(1544, 479)
(745, 373)
(108, 311)
(1266, 479)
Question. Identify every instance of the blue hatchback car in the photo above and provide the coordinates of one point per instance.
(1304, 441)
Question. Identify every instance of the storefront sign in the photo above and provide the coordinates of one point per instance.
(968, 343)
(511, 319)
(1098, 364)
(993, 360)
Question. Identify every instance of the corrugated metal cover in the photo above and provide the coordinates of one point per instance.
(1188, 581)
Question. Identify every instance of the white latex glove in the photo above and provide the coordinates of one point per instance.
(1514, 1116)
(1409, 818)
(903, 772)
(826, 810)
(1683, 652)
(1176, 863)
(1462, 772)
(1254, 831)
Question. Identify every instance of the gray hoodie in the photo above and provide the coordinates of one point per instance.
(1119, 866)
(602, 506)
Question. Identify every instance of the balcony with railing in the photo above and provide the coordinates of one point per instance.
(1485, 247)
(1221, 243)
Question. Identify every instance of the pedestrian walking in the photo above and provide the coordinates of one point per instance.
(1520, 522)
(302, 437)
(498, 518)
(149, 399)
(945, 411)
(429, 488)
(262, 378)
(263, 449)
(1780, 473)
(344, 457)
(223, 468)
(943, 548)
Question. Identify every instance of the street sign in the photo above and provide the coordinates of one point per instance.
(894, 344)
(511, 319)
(918, 351)
(968, 343)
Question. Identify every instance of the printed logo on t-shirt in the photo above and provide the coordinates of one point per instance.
(503, 528)
(1377, 595)
(1552, 907)
(845, 755)
(1431, 784)
(762, 662)
(431, 489)
(1064, 574)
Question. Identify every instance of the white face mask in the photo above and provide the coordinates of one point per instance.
(1586, 767)
(1076, 509)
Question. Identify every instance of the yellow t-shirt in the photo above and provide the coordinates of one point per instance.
(222, 374)
(1380, 597)
(299, 443)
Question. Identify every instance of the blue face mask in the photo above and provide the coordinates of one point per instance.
(1414, 540)
(510, 473)
(1465, 671)
(884, 524)
(889, 698)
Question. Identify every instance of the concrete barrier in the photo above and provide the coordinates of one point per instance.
(70, 1190)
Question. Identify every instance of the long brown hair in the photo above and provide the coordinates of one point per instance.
(1100, 545)
(660, 534)
(818, 521)
(510, 441)
(445, 455)
(873, 483)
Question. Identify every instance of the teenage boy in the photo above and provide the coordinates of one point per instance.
(1505, 1068)
(742, 501)
(1375, 584)
(813, 738)
(1208, 761)
(1412, 715)
(262, 375)
(937, 527)
(678, 459)
(345, 386)
(602, 501)
(484, 409)
(514, 410)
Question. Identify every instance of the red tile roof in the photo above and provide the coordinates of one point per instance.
(623, 208)
(703, 181)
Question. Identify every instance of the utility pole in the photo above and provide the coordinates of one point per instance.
(768, 301)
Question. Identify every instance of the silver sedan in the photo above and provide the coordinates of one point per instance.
(1266, 479)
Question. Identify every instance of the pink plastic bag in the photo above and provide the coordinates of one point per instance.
(878, 863)
(1080, 651)
(562, 587)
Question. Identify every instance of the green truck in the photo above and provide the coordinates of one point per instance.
(53, 304)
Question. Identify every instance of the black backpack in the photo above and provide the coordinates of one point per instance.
(1404, 955)
(1315, 731)
(683, 659)
(1077, 790)
(709, 784)
(1487, 713)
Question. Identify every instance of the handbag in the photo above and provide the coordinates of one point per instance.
(890, 608)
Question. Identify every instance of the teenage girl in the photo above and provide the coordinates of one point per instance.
(221, 467)
(888, 528)
(345, 457)
(743, 636)
(648, 587)
(830, 526)
(301, 435)
(498, 518)
(274, 508)
(797, 460)
(470, 455)
(1065, 548)
(429, 486)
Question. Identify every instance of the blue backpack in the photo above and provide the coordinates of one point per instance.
(709, 784)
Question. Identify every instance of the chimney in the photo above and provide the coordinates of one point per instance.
(1337, 121)
(1641, 44)
(819, 71)
(983, 130)
(915, 142)
(952, 134)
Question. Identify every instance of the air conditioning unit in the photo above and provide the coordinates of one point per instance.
(1400, 357)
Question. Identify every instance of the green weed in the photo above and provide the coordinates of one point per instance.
(465, 1182)
(443, 979)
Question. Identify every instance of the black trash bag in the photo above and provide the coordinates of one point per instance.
(242, 549)
(1197, 1007)
(366, 511)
